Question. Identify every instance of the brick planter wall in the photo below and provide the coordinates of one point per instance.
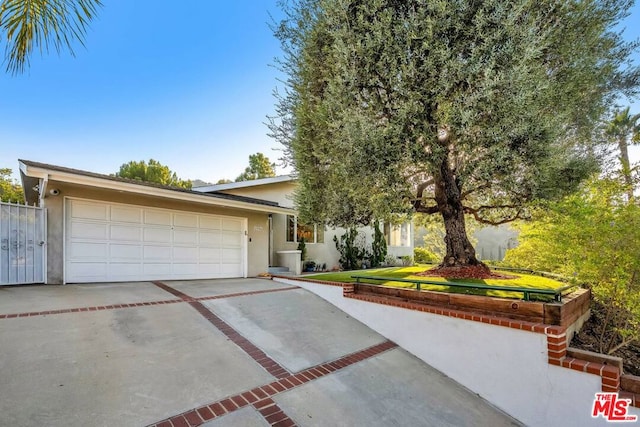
(526, 316)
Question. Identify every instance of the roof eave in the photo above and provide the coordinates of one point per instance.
(54, 175)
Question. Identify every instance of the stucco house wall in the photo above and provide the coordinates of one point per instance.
(322, 253)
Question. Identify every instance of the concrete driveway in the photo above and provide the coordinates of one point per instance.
(216, 353)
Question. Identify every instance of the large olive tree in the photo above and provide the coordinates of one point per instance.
(448, 107)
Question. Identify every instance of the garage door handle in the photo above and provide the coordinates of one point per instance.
(41, 242)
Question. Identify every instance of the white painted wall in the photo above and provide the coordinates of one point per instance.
(507, 367)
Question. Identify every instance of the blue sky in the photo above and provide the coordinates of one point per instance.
(187, 83)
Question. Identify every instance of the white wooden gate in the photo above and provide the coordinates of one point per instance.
(22, 244)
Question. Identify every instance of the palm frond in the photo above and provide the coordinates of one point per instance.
(42, 24)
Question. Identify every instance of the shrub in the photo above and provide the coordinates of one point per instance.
(351, 248)
(378, 247)
(424, 256)
(302, 246)
(407, 260)
(390, 260)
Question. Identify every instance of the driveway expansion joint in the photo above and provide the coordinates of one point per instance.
(264, 403)
(259, 356)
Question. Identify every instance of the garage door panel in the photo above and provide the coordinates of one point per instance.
(157, 253)
(123, 270)
(181, 254)
(231, 225)
(112, 242)
(189, 237)
(209, 254)
(231, 239)
(132, 253)
(210, 223)
(89, 231)
(87, 250)
(88, 210)
(232, 270)
(158, 235)
(212, 270)
(126, 214)
(125, 233)
(157, 270)
(231, 255)
(186, 269)
(185, 220)
(156, 217)
(88, 269)
(207, 238)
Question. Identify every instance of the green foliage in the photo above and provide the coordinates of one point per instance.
(407, 260)
(352, 249)
(424, 256)
(10, 190)
(29, 24)
(378, 246)
(153, 171)
(594, 237)
(522, 281)
(259, 167)
(302, 247)
(443, 106)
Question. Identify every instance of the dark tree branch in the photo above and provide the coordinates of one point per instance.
(475, 212)
(429, 210)
(417, 203)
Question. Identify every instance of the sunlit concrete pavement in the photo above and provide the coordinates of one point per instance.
(245, 352)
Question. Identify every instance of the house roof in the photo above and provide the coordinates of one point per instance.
(43, 172)
(244, 184)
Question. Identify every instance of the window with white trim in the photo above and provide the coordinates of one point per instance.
(397, 235)
(296, 231)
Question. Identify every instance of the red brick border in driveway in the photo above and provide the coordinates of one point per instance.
(270, 365)
(140, 304)
(260, 397)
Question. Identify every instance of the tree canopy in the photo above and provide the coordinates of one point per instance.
(445, 107)
(259, 167)
(153, 171)
(10, 190)
(41, 24)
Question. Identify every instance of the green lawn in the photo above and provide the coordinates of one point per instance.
(522, 281)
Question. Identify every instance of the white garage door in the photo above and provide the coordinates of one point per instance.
(115, 242)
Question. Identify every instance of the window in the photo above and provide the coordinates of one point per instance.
(397, 235)
(296, 231)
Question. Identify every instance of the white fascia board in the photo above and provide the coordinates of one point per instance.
(148, 191)
(244, 184)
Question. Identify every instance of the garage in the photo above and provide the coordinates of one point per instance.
(107, 242)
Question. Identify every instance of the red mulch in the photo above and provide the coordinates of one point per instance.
(469, 272)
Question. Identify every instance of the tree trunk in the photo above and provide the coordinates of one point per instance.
(626, 166)
(460, 252)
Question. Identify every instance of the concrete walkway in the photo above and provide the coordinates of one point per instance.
(218, 353)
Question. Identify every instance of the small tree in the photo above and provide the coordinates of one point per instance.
(351, 248)
(154, 171)
(378, 246)
(259, 167)
(10, 190)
